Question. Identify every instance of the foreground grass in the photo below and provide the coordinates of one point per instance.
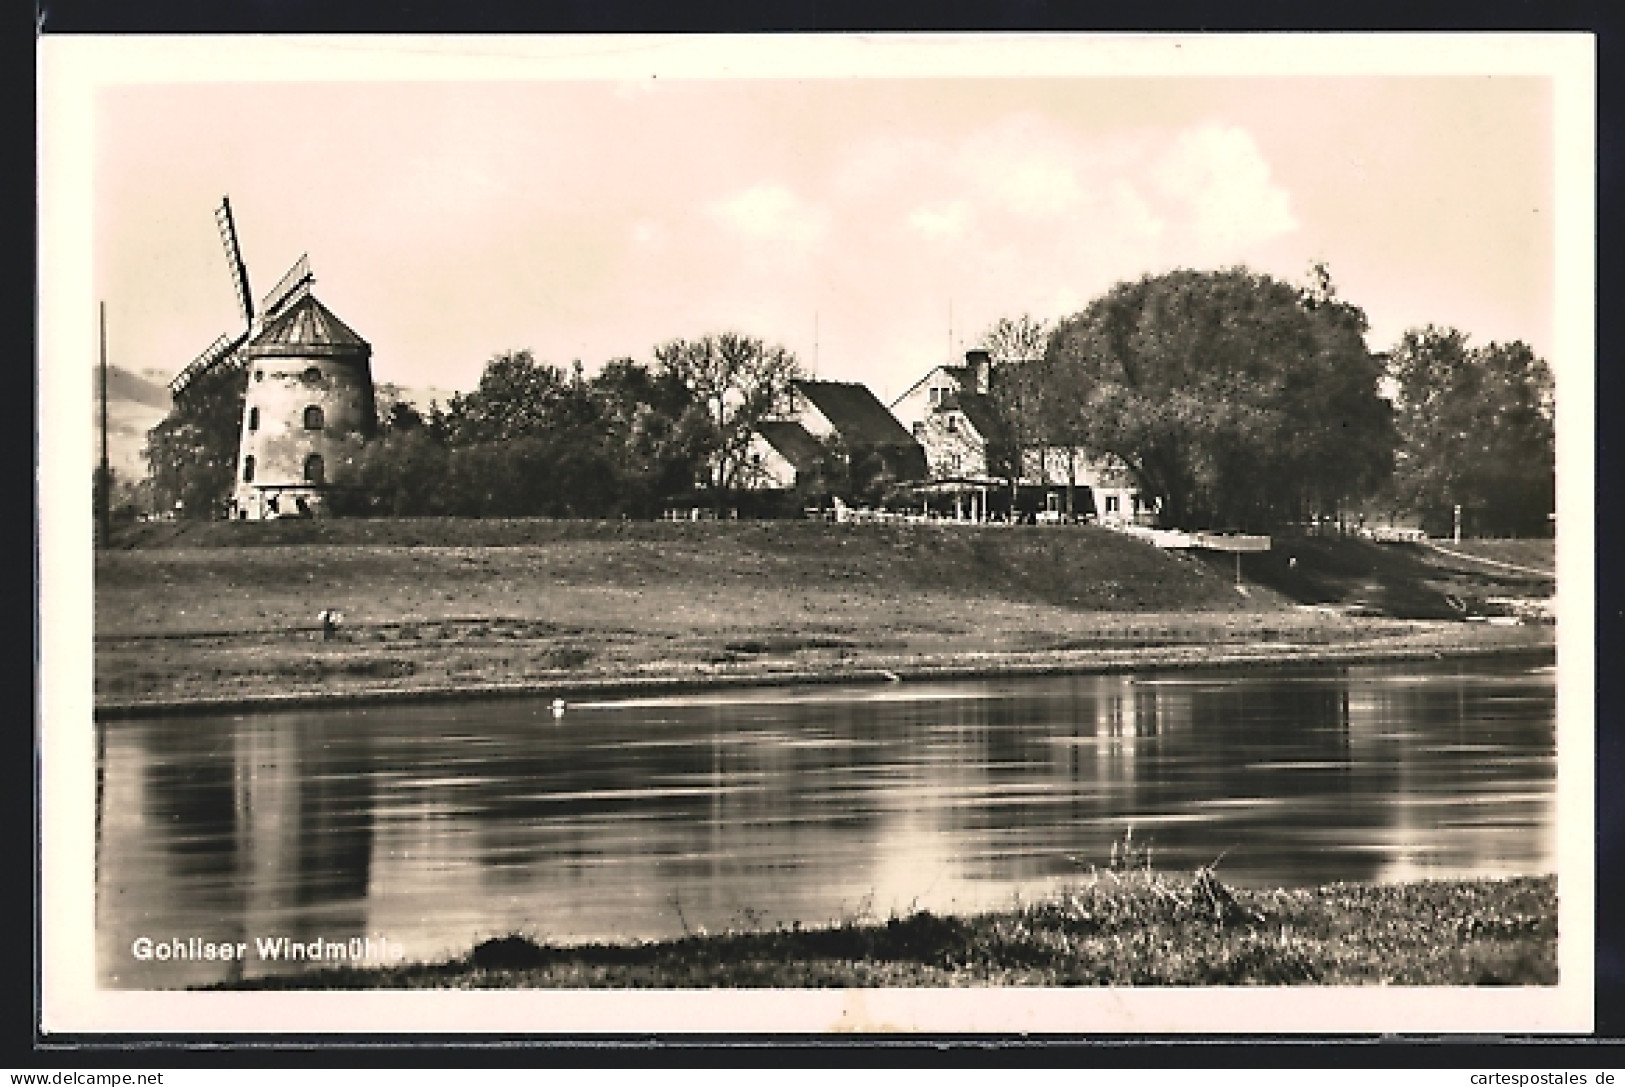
(1137, 929)
(228, 610)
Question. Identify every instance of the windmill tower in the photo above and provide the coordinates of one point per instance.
(309, 389)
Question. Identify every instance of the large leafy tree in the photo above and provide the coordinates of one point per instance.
(1476, 430)
(733, 383)
(528, 440)
(1237, 399)
(192, 454)
(642, 413)
(516, 396)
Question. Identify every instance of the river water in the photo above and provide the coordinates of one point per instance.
(426, 828)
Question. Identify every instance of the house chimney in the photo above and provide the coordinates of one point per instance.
(980, 364)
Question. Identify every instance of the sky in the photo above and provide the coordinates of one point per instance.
(874, 226)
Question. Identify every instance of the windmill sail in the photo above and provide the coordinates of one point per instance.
(288, 290)
(224, 350)
(217, 353)
(234, 258)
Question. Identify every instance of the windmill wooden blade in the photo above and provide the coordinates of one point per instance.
(289, 289)
(234, 259)
(222, 352)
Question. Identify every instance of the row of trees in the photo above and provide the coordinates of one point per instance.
(1236, 399)
(530, 439)
(1245, 402)
(1475, 431)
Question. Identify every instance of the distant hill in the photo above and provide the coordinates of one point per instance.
(420, 398)
(123, 385)
(135, 405)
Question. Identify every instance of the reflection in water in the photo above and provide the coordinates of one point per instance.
(436, 826)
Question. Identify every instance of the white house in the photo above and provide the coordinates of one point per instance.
(782, 453)
(952, 414)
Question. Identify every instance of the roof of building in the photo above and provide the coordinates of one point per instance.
(924, 378)
(905, 462)
(307, 324)
(964, 374)
(855, 413)
(983, 415)
(792, 442)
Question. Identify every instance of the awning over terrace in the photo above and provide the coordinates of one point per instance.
(951, 487)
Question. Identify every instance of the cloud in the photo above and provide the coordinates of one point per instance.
(1218, 183)
(881, 238)
(941, 221)
(771, 213)
(1024, 213)
(1025, 166)
(1027, 209)
(1078, 203)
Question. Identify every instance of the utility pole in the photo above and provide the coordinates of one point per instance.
(104, 479)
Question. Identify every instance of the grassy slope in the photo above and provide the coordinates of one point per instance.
(229, 609)
(1086, 568)
(1138, 929)
(1405, 580)
(1534, 554)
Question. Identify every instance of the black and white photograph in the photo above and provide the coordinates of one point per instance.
(974, 533)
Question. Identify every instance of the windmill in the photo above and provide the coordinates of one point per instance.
(224, 351)
(306, 382)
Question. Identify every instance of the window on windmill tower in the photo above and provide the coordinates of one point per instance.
(248, 469)
(253, 418)
(314, 469)
(312, 375)
(313, 418)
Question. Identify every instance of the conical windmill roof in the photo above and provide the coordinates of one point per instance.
(307, 327)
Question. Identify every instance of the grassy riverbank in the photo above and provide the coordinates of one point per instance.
(1134, 928)
(227, 611)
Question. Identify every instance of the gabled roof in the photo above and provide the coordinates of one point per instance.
(853, 411)
(306, 324)
(963, 375)
(979, 409)
(927, 377)
(792, 442)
